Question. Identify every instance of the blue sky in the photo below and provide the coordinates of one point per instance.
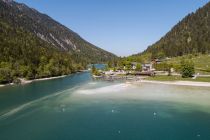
(123, 27)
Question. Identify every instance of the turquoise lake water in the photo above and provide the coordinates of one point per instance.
(79, 108)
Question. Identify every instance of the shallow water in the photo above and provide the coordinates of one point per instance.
(79, 108)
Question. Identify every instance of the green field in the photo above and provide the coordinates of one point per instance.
(202, 62)
(178, 78)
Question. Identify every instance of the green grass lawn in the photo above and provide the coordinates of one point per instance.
(203, 79)
(178, 78)
(202, 62)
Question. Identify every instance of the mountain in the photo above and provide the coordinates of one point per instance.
(33, 45)
(44, 27)
(191, 35)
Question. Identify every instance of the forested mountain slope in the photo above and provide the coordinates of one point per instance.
(191, 35)
(20, 16)
(33, 45)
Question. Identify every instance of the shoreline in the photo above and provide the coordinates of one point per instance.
(24, 81)
(177, 83)
(138, 80)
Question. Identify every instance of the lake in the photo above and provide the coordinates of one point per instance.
(79, 108)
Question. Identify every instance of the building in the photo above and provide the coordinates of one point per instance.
(147, 67)
(156, 61)
(110, 72)
(133, 65)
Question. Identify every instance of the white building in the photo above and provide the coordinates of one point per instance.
(147, 67)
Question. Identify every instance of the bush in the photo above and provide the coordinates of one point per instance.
(95, 71)
(5, 76)
(138, 67)
(187, 69)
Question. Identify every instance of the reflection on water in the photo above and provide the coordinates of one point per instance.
(87, 109)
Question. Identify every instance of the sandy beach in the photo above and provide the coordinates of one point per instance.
(7, 84)
(179, 83)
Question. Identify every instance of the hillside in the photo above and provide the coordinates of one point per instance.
(201, 62)
(45, 28)
(191, 35)
(33, 45)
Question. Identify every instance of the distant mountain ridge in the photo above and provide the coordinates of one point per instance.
(191, 35)
(50, 31)
(33, 45)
